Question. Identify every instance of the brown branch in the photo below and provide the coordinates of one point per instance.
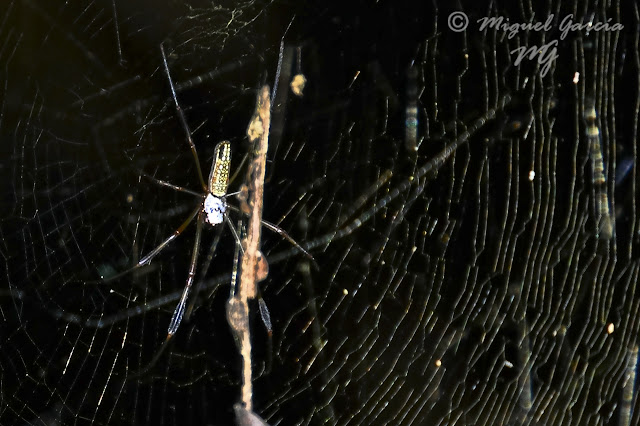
(253, 262)
(258, 132)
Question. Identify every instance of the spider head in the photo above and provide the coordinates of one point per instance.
(215, 209)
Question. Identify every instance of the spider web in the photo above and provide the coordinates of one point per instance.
(467, 281)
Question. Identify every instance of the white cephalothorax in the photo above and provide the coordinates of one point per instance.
(215, 209)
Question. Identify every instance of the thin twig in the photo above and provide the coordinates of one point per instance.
(252, 259)
(259, 131)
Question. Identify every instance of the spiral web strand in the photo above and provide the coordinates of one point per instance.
(452, 200)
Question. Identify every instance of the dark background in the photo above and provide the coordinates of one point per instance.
(469, 295)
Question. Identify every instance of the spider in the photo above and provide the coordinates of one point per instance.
(213, 208)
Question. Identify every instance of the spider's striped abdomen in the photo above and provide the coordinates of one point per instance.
(219, 177)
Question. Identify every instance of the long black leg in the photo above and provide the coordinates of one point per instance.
(183, 120)
(145, 260)
(172, 186)
(234, 232)
(266, 321)
(244, 159)
(172, 237)
(203, 272)
(281, 232)
(176, 319)
(153, 362)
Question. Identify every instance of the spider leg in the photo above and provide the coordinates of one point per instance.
(244, 159)
(234, 232)
(281, 232)
(172, 237)
(176, 319)
(265, 315)
(136, 375)
(266, 321)
(236, 258)
(183, 120)
(203, 273)
(145, 260)
(170, 185)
